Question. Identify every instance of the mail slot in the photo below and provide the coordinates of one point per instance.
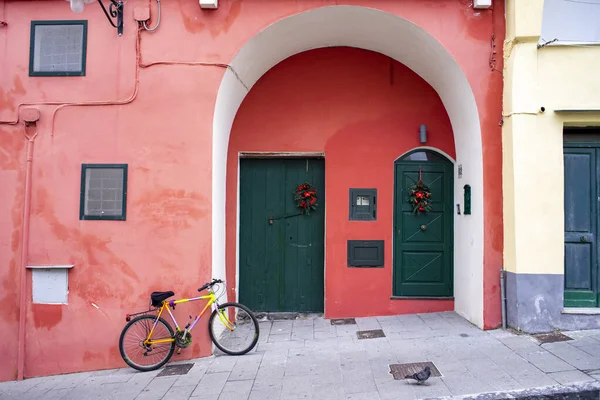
(365, 253)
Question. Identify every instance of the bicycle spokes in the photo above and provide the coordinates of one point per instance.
(139, 351)
(235, 330)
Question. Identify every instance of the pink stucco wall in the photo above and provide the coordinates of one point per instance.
(158, 119)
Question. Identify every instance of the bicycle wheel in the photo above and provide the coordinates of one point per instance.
(233, 329)
(133, 350)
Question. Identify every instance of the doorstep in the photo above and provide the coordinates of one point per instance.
(421, 298)
(581, 310)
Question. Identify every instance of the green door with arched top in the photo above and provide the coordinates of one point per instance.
(423, 241)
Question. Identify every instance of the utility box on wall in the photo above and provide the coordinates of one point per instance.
(467, 199)
(209, 4)
(363, 205)
(50, 284)
(482, 3)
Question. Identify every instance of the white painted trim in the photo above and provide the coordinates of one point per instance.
(50, 266)
(405, 42)
(231, 91)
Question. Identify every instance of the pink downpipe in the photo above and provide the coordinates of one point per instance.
(24, 254)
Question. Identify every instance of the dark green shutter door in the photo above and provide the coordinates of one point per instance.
(281, 263)
(423, 244)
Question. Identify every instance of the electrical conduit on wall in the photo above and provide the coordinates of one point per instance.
(30, 116)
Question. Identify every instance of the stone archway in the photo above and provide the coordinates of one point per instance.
(401, 40)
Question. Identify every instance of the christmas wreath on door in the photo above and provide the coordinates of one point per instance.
(419, 196)
(306, 198)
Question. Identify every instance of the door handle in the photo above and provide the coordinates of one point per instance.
(583, 239)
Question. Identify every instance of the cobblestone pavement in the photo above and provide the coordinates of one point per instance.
(313, 359)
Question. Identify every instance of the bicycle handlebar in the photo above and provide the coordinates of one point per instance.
(210, 284)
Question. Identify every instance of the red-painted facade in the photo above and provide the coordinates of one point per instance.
(148, 100)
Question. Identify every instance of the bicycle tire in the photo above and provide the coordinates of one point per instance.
(216, 342)
(128, 360)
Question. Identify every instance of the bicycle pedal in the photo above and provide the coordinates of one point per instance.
(178, 351)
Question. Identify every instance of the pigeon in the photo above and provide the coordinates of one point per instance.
(420, 376)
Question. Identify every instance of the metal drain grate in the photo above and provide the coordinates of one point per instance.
(343, 321)
(375, 333)
(551, 337)
(177, 369)
(400, 371)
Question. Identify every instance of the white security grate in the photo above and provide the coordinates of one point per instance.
(104, 191)
(58, 48)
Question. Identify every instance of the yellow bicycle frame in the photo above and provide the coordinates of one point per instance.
(212, 300)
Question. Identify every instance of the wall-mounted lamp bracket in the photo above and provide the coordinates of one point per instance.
(423, 133)
(115, 12)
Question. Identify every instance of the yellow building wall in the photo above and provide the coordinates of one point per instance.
(556, 78)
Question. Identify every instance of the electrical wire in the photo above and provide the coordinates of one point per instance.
(539, 46)
(157, 22)
(139, 64)
(220, 290)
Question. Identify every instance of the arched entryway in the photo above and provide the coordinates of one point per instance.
(423, 226)
(401, 40)
(307, 119)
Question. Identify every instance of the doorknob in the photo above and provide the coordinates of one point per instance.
(583, 239)
(423, 228)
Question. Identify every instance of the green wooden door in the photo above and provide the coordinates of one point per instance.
(582, 193)
(281, 252)
(423, 243)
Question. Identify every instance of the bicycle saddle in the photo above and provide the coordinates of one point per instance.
(158, 297)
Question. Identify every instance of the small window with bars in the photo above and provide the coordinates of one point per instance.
(57, 48)
(103, 191)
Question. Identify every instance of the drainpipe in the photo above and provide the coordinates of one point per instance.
(503, 294)
(30, 116)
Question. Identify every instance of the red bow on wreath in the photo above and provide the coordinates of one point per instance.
(419, 196)
(306, 198)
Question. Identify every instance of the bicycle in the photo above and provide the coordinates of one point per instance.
(156, 341)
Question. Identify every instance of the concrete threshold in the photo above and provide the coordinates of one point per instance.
(581, 311)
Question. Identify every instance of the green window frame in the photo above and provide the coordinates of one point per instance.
(103, 193)
(33, 49)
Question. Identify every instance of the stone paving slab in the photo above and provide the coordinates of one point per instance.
(309, 358)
